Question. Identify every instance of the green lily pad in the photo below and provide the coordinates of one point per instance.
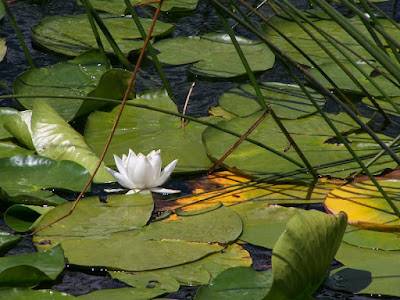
(145, 130)
(53, 137)
(343, 81)
(10, 148)
(72, 35)
(75, 77)
(159, 245)
(7, 241)
(311, 135)
(293, 31)
(384, 104)
(25, 293)
(304, 252)
(263, 224)
(372, 239)
(237, 283)
(118, 7)
(24, 179)
(3, 47)
(31, 269)
(5, 113)
(377, 276)
(122, 294)
(19, 125)
(218, 57)
(287, 100)
(22, 218)
(119, 213)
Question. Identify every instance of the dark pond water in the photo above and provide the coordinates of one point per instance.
(205, 94)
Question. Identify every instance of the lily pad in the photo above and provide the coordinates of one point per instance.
(304, 252)
(365, 206)
(342, 80)
(31, 269)
(72, 35)
(24, 179)
(145, 130)
(122, 294)
(19, 125)
(384, 104)
(287, 100)
(25, 293)
(21, 218)
(214, 55)
(118, 7)
(237, 283)
(312, 135)
(75, 77)
(7, 241)
(53, 137)
(158, 245)
(293, 31)
(10, 148)
(372, 239)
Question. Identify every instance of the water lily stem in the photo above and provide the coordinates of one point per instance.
(127, 92)
(185, 107)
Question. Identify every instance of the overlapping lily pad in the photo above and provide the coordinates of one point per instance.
(312, 134)
(144, 130)
(365, 205)
(31, 269)
(117, 7)
(293, 31)
(75, 77)
(25, 293)
(53, 137)
(159, 245)
(24, 179)
(5, 113)
(214, 55)
(20, 127)
(7, 241)
(384, 104)
(72, 35)
(22, 217)
(287, 100)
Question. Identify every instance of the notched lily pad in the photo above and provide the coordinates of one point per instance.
(72, 35)
(214, 55)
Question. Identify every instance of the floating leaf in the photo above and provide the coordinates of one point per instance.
(218, 57)
(24, 293)
(342, 80)
(145, 130)
(119, 213)
(303, 254)
(22, 218)
(376, 276)
(287, 100)
(118, 7)
(232, 189)
(384, 104)
(72, 35)
(55, 138)
(122, 294)
(7, 241)
(159, 245)
(312, 134)
(76, 77)
(19, 125)
(365, 206)
(31, 269)
(372, 239)
(237, 283)
(8, 149)
(299, 37)
(24, 179)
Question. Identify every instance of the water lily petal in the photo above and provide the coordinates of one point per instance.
(156, 163)
(166, 173)
(121, 166)
(121, 178)
(141, 172)
(161, 190)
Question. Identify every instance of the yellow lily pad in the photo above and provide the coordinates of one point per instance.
(365, 206)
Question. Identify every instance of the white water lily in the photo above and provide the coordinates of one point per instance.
(140, 172)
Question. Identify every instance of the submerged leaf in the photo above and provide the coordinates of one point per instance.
(218, 57)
